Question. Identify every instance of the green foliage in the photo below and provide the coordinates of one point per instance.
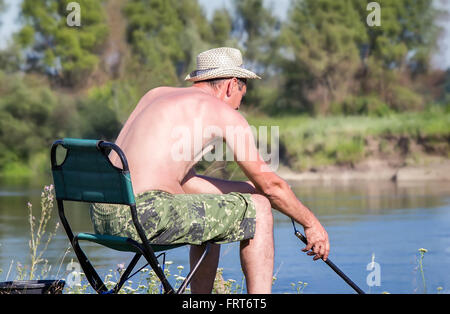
(98, 113)
(67, 54)
(165, 36)
(361, 105)
(407, 34)
(446, 90)
(221, 27)
(310, 143)
(25, 109)
(398, 50)
(405, 99)
(31, 116)
(104, 110)
(153, 30)
(257, 27)
(321, 39)
(257, 30)
(331, 52)
(322, 60)
(347, 150)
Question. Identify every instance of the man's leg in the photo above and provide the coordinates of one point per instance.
(203, 281)
(257, 254)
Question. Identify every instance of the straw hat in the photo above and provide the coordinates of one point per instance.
(220, 63)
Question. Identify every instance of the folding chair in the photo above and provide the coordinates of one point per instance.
(87, 175)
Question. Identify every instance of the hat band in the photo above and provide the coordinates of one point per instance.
(201, 72)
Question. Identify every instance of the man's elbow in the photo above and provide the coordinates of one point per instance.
(274, 187)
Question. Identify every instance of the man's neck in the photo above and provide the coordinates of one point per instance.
(207, 89)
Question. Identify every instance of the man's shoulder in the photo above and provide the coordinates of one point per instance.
(200, 104)
(169, 93)
(158, 90)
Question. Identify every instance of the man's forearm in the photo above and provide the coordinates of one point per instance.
(284, 200)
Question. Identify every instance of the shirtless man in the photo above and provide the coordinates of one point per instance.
(148, 141)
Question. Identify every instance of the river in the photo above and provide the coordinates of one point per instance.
(375, 221)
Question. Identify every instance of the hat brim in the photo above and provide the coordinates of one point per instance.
(202, 75)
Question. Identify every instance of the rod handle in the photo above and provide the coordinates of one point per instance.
(333, 266)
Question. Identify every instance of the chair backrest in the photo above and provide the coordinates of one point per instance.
(87, 174)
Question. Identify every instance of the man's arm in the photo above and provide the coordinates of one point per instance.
(279, 193)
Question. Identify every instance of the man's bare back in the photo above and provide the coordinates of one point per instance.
(148, 138)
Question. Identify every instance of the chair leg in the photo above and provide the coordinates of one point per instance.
(91, 275)
(160, 273)
(193, 270)
(154, 264)
(126, 273)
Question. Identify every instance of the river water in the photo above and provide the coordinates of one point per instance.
(382, 222)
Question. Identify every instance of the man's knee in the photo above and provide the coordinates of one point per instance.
(263, 208)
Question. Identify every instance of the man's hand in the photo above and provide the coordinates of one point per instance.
(318, 242)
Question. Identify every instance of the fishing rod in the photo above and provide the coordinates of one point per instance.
(330, 263)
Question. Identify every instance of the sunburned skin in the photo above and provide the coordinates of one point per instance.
(148, 137)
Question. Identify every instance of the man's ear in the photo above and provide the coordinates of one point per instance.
(230, 87)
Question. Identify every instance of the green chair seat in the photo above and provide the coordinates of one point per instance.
(121, 243)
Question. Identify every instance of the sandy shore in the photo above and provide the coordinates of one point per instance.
(437, 170)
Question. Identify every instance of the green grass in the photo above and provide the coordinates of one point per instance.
(318, 141)
(434, 121)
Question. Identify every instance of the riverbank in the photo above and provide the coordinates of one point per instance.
(376, 170)
(399, 147)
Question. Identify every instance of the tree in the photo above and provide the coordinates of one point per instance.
(221, 26)
(67, 54)
(407, 34)
(26, 108)
(398, 51)
(197, 35)
(2, 7)
(256, 27)
(99, 117)
(446, 90)
(256, 30)
(321, 54)
(165, 36)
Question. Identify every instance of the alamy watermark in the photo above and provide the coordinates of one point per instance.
(374, 277)
(243, 144)
(374, 17)
(74, 277)
(74, 17)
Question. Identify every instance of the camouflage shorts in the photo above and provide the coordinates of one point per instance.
(180, 218)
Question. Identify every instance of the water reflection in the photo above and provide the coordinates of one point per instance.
(355, 201)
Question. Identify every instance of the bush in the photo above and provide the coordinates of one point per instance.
(361, 105)
(99, 113)
(26, 109)
(404, 99)
(348, 150)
